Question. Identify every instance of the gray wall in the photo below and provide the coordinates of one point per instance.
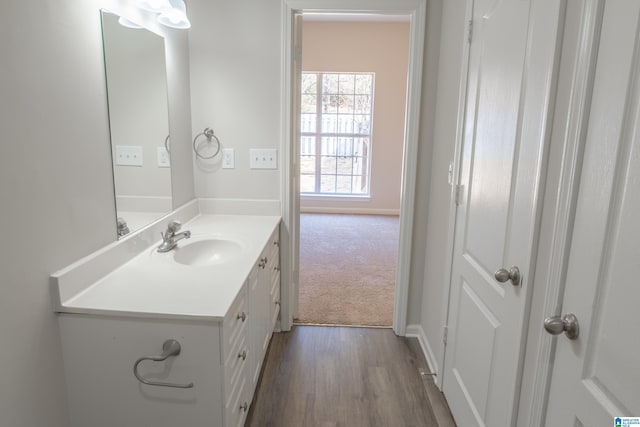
(56, 182)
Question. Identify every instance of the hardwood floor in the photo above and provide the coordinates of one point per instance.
(341, 376)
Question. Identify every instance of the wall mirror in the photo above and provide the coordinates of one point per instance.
(136, 80)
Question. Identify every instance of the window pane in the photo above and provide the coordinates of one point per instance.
(343, 184)
(308, 123)
(361, 146)
(330, 103)
(308, 145)
(329, 123)
(345, 123)
(346, 104)
(308, 104)
(327, 184)
(364, 83)
(307, 183)
(345, 147)
(307, 165)
(309, 83)
(359, 185)
(329, 146)
(362, 104)
(328, 165)
(361, 124)
(346, 83)
(345, 166)
(330, 84)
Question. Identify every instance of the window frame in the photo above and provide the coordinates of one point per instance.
(319, 136)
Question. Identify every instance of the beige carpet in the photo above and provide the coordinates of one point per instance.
(347, 269)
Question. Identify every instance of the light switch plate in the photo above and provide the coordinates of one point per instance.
(263, 158)
(128, 155)
(163, 158)
(228, 158)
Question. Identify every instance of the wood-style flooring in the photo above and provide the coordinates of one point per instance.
(346, 377)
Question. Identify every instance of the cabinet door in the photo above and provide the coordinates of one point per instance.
(99, 354)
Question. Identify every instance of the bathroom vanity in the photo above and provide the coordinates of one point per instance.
(174, 338)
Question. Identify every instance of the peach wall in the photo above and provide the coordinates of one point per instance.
(382, 48)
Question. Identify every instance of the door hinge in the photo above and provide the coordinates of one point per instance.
(445, 332)
(458, 194)
(470, 30)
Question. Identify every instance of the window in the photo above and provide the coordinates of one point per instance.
(335, 142)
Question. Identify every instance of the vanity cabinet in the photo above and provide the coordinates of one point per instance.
(222, 358)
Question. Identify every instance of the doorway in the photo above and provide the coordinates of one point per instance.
(353, 102)
(293, 10)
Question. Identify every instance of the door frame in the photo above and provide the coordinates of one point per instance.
(416, 10)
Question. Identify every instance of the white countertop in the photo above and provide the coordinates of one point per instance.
(152, 284)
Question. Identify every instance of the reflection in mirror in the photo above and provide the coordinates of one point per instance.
(139, 122)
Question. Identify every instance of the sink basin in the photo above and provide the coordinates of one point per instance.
(206, 252)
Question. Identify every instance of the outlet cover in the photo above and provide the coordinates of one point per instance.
(263, 158)
(228, 158)
(128, 155)
(163, 158)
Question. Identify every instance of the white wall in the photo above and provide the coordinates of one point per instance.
(382, 48)
(235, 51)
(56, 183)
(444, 131)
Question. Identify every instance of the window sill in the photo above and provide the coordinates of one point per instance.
(337, 197)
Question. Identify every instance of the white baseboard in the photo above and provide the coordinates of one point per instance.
(416, 331)
(351, 211)
(240, 206)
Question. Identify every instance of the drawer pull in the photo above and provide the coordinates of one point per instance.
(263, 262)
(276, 243)
(243, 355)
(277, 302)
(244, 407)
(169, 348)
(242, 316)
(276, 268)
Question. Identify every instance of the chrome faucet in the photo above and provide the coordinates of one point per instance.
(123, 229)
(170, 238)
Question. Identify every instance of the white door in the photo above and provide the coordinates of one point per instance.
(596, 377)
(513, 54)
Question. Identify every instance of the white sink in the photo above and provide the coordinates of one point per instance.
(205, 252)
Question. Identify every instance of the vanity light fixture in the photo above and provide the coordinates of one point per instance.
(175, 16)
(129, 24)
(155, 6)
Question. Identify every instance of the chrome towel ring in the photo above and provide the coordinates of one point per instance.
(211, 137)
(169, 348)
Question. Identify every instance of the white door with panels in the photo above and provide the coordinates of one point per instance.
(596, 372)
(513, 55)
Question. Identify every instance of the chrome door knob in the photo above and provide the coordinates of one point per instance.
(568, 324)
(513, 274)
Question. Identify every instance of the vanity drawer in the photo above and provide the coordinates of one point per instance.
(235, 368)
(275, 298)
(235, 324)
(237, 406)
